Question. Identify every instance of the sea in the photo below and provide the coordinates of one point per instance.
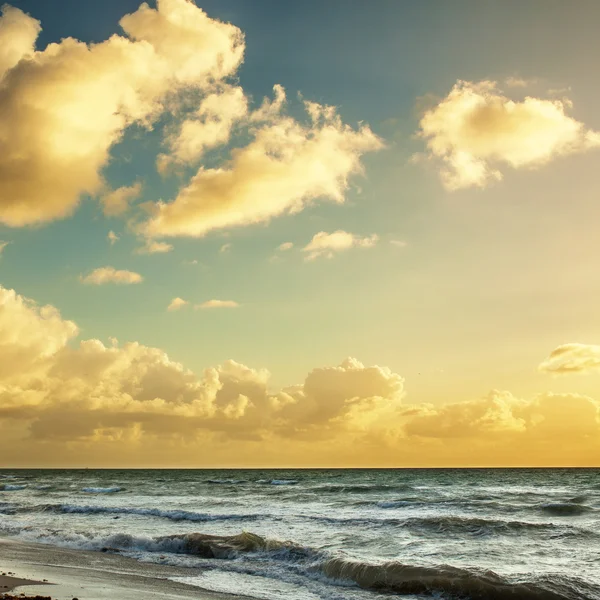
(517, 534)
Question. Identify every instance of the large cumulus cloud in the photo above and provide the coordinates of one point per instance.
(63, 107)
(128, 399)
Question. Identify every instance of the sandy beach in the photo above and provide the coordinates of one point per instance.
(64, 574)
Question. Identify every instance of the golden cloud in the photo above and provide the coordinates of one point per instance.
(476, 130)
(176, 304)
(119, 403)
(218, 304)
(326, 245)
(285, 167)
(104, 275)
(209, 127)
(64, 107)
(572, 359)
(116, 202)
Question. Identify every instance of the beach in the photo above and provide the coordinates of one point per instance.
(90, 575)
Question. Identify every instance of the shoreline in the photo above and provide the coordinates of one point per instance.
(63, 574)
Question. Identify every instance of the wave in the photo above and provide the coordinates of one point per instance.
(102, 490)
(12, 488)
(173, 515)
(226, 481)
(474, 525)
(340, 488)
(565, 509)
(278, 481)
(388, 577)
(394, 577)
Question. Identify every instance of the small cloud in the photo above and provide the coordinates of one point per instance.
(326, 245)
(2, 246)
(518, 82)
(189, 262)
(104, 275)
(217, 304)
(572, 359)
(476, 131)
(285, 246)
(112, 237)
(154, 248)
(116, 202)
(176, 304)
(399, 243)
(225, 248)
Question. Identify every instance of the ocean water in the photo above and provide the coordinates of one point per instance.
(330, 534)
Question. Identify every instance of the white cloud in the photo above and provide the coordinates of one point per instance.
(285, 246)
(476, 130)
(64, 107)
(117, 202)
(3, 246)
(225, 248)
(104, 275)
(286, 167)
(326, 245)
(176, 304)
(209, 127)
(218, 304)
(399, 243)
(112, 237)
(572, 359)
(153, 247)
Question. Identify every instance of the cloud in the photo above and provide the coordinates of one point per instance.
(572, 359)
(153, 247)
(218, 304)
(3, 246)
(63, 108)
(44, 376)
(326, 245)
(104, 275)
(176, 304)
(399, 243)
(476, 130)
(286, 167)
(112, 237)
(115, 405)
(285, 246)
(18, 33)
(501, 417)
(117, 202)
(210, 126)
(225, 248)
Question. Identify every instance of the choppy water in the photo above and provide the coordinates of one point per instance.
(331, 535)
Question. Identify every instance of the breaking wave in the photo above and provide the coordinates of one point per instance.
(12, 488)
(399, 578)
(102, 490)
(173, 515)
(387, 577)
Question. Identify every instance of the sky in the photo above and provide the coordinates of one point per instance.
(273, 234)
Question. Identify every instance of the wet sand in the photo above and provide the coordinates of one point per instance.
(91, 575)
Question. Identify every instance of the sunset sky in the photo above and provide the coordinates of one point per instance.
(269, 233)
